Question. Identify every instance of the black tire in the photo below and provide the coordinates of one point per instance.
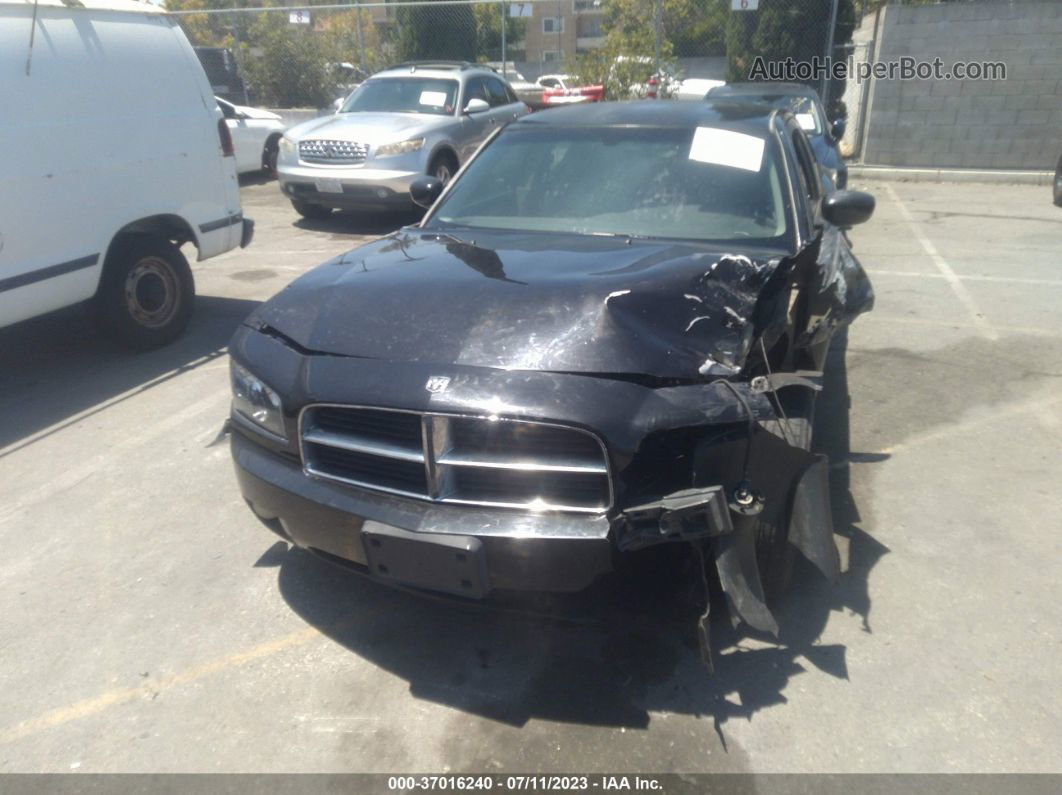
(269, 156)
(443, 167)
(315, 212)
(146, 294)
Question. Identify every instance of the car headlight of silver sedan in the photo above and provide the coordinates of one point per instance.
(400, 148)
(254, 401)
(287, 146)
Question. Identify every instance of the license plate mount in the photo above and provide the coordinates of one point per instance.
(434, 561)
(328, 185)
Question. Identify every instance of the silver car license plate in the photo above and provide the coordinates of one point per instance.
(328, 185)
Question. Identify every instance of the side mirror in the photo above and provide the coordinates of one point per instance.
(837, 128)
(477, 105)
(845, 208)
(424, 190)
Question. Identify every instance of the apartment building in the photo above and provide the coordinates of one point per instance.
(559, 29)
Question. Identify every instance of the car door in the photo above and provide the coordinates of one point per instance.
(474, 126)
(243, 139)
(504, 105)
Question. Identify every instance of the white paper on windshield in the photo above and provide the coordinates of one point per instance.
(806, 121)
(727, 148)
(435, 99)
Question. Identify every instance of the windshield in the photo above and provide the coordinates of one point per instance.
(404, 95)
(692, 184)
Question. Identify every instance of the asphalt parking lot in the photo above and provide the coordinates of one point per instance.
(150, 623)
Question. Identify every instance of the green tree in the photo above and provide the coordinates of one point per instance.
(289, 65)
(488, 18)
(436, 32)
(783, 29)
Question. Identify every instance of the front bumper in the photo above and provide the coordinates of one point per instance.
(526, 552)
(362, 187)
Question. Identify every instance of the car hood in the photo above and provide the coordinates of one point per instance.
(529, 301)
(366, 127)
(258, 113)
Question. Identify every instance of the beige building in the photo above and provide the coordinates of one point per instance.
(559, 29)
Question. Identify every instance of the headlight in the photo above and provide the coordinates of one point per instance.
(287, 146)
(255, 401)
(400, 148)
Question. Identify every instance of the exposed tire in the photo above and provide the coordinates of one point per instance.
(315, 212)
(443, 167)
(146, 294)
(269, 156)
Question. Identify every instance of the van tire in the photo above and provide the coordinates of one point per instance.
(315, 212)
(146, 293)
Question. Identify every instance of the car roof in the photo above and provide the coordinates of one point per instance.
(744, 116)
(136, 6)
(450, 69)
(764, 89)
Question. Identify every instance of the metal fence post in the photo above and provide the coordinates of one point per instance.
(361, 36)
(658, 23)
(236, 51)
(829, 55)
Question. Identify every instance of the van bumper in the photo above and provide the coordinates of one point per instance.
(247, 234)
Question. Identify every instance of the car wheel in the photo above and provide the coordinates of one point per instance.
(443, 168)
(315, 212)
(1058, 184)
(146, 293)
(269, 157)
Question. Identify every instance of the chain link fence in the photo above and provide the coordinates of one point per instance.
(288, 56)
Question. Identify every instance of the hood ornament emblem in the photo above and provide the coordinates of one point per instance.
(437, 384)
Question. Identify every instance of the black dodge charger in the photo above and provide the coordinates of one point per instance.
(607, 333)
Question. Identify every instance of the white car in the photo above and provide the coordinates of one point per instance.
(255, 136)
(563, 90)
(97, 200)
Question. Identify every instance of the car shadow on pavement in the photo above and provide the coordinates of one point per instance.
(612, 655)
(359, 223)
(57, 366)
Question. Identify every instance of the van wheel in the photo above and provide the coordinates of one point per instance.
(315, 212)
(146, 293)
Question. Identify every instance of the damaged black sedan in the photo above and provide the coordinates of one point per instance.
(607, 333)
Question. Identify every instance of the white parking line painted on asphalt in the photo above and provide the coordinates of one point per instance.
(884, 317)
(70, 478)
(948, 274)
(1039, 406)
(973, 278)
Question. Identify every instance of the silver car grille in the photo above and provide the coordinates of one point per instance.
(457, 459)
(323, 150)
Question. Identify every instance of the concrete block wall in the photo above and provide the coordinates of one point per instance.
(1014, 123)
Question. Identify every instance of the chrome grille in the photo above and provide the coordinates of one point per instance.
(323, 150)
(457, 459)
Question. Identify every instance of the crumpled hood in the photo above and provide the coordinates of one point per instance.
(528, 301)
(368, 128)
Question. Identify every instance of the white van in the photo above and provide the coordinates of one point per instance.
(113, 154)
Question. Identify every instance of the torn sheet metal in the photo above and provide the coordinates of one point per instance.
(811, 520)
